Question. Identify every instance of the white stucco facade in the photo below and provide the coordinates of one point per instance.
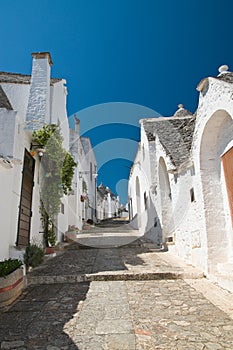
(88, 172)
(27, 103)
(82, 201)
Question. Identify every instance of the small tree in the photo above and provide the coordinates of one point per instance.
(58, 170)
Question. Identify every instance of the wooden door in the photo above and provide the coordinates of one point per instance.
(24, 221)
(227, 161)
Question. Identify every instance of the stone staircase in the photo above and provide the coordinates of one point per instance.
(138, 260)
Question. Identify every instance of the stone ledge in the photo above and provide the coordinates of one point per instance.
(115, 276)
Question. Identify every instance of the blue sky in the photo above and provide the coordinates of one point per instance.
(151, 53)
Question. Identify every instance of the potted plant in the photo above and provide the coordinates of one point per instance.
(51, 239)
(33, 256)
(11, 280)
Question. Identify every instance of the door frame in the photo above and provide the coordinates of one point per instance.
(26, 154)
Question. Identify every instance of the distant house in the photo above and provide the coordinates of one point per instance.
(180, 186)
(88, 172)
(82, 201)
(107, 203)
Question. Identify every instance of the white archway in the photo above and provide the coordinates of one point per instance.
(217, 134)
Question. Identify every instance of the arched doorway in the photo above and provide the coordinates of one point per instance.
(217, 134)
(138, 201)
(165, 198)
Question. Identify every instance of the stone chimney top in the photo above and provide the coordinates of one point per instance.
(223, 69)
(38, 109)
(182, 112)
(77, 120)
(39, 55)
(77, 124)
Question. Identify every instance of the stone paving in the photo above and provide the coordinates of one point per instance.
(179, 311)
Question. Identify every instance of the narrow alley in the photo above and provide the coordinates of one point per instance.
(120, 292)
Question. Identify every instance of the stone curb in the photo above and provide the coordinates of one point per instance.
(118, 276)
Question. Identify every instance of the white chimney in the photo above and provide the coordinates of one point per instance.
(38, 110)
(77, 125)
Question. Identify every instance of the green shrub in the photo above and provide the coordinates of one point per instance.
(33, 255)
(9, 265)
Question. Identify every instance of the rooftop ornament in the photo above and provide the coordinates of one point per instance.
(223, 69)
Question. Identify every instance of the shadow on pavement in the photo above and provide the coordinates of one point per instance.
(41, 318)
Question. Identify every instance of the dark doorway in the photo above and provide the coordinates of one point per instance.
(24, 222)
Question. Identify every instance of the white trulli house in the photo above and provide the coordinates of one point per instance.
(180, 187)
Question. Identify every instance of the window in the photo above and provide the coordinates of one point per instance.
(145, 200)
(192, 196)
(91, 171)
(143, 152)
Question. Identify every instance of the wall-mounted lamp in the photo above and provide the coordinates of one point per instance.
(35, 147)
(40, 152)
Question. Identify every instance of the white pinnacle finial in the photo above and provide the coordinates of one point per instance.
(224, 68)
(180, 106)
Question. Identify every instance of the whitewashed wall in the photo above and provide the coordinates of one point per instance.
(141, 190)
(213, 136)
(18, 95)
(58, 93)
(9, 193)
(58, 115)
(75, 204)
(101, 207)
(90, 179)
(6, 178)
(14, 146)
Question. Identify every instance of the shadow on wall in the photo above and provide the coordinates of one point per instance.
(134, 222)
(153, 229)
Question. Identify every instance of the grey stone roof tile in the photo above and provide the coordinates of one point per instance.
(227, 77)
(4, 102)
(16, 78)
(175, 134)
(103, 191)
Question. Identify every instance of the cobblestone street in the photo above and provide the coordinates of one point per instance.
(132, 297)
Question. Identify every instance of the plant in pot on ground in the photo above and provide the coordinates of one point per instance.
(57, 173)
(11, 280)
(9, 265)
(33, 256)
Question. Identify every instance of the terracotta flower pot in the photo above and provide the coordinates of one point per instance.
(49, 250)
(11, 287)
